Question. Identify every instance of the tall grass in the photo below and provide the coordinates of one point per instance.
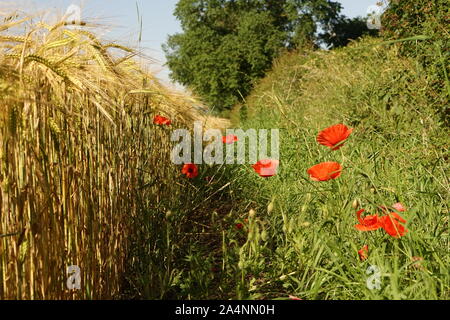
(406, 18)
(83, 170)
(300, 237)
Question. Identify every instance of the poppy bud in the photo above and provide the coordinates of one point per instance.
(305, 224)
(270, 207)
(303, 209)
(214, 216)
(355, 204)
(253, 234)
(363, 253)
(264, 235)
(372, 190)
(334, 136)
(168, 214)
(290, 225)
(251, 214)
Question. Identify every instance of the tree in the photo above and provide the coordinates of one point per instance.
(427, 21)
(344, 30)
(226, 45)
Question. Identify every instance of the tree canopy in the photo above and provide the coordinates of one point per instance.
(226, 45)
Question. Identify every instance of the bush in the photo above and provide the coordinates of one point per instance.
(407, 18)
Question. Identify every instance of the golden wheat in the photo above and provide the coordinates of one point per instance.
(77, 143)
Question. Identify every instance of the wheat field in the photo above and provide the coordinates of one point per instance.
(80, 158)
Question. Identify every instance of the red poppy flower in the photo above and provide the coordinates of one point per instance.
(369, 223)
(333, 136)
(239, 226)
(229, 139)
(363, 252)
(393, 225)
(190, 170)
(325, 171)
(160, 120)
(266, 167)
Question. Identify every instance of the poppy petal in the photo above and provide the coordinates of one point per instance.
(266, 167)
(368, 223)
(325, 171)
(334, 136)
(399, 207)
(363, 253)
(160, 120)
(393, 226)
(190, 170)
(229, 139)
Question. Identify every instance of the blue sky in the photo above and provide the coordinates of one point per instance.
(158, 20)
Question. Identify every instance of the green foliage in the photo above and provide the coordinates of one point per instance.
(298, 236)
(346, 29)
(406, 18)
(397, 152)
(227, 45)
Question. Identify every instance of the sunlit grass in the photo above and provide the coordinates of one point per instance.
(306, 244)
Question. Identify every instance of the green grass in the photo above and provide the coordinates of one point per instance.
(300, 240)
